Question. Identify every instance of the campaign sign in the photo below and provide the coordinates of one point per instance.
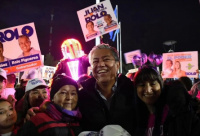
(97, 20)
(178, 64)
(20, 50)
(48, 72)
(129, 55)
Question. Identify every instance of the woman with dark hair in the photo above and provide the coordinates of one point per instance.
(162, 110)
(59, 116)
(36, 92)
(8, 118)
(186, 81)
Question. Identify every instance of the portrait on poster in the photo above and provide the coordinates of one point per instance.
(48, 72)
(129, 55)
(97, 20)
(20, 48)
(180, 64)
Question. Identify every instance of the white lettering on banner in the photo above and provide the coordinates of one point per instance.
(4, 65)
(15, 62)
(24, 60)
(26, 66)
(28, 59)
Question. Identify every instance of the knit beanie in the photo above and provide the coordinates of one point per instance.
(60, 81)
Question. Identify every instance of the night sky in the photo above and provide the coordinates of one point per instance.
(146, 24)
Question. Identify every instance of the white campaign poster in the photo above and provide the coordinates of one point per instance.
(48, 72)
(178, 64)
(97, 20)
(14, 58)
(129, 55)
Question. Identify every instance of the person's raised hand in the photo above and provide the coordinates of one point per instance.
(31, 112)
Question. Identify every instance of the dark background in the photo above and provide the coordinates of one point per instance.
(146, 24)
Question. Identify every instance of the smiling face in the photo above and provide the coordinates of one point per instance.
(104, 66)
(66, 97)
(177, 65)
(168, 64)
(108, 19)
(149, 91)
(37, 96)
(8, 115)
(25, 44)
(90, 26)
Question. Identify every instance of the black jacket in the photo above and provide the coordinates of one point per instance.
(95, 114)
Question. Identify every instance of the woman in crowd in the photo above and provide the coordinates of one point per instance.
(8, 117)
(186, 81)
(159, 111)
(36, 92)
(195, 90)
(58, 117)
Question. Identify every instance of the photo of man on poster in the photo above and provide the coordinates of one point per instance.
(111, 24)
(25, 45)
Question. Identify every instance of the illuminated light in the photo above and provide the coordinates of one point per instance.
(71, 48)
(74, 68)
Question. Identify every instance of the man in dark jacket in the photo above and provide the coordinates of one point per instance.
(106, 98)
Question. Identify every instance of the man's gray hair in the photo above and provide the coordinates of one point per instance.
(113, 51)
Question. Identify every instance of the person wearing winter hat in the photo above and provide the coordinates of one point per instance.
(59, 116)
(36, 92)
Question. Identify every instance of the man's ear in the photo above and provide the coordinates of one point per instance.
(118, 65)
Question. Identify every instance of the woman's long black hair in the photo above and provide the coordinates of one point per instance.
(148, 73)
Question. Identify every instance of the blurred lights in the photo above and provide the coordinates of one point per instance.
(74, 68)
(72, 49)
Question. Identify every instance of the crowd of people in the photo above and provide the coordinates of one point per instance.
(142, 104)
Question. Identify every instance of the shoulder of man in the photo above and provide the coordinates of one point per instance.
(89, 83)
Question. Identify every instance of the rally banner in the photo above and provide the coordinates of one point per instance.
(48, 72)
(97, 20)
(178, 64)
(20, 50)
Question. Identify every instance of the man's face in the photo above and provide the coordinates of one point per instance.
(2, 84)
(107, 19)
(104, 66)
(8, 115)
(37, 96)
(168, 64)
(24, 44)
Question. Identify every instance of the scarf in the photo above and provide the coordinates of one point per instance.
(58, 113)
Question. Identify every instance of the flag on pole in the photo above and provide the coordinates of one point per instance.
(111, 33)
(116, 31)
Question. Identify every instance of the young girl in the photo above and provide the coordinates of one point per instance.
(159, 111)
(8, 118)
